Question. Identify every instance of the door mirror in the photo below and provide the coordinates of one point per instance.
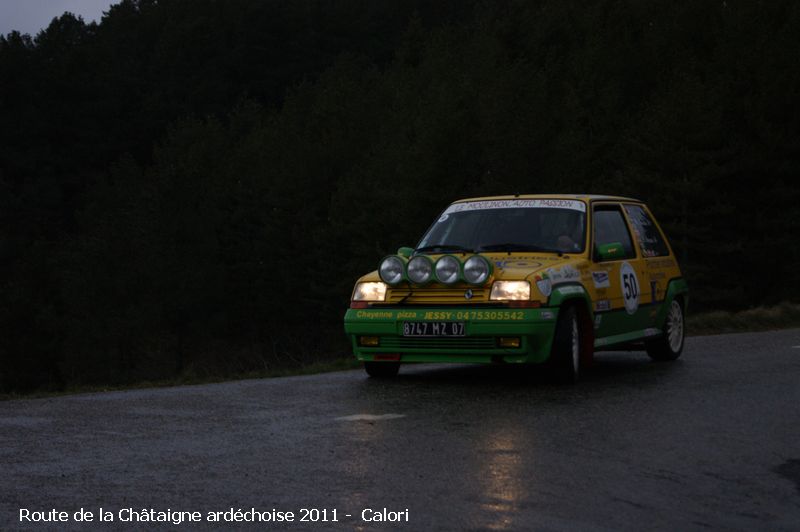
(405, 252)
(610, 251)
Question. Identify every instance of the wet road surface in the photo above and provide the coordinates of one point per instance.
(709, 441)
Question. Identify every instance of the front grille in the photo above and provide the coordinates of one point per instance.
(468, 342)
(437, 295)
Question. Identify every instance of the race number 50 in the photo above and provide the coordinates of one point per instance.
(630, 288)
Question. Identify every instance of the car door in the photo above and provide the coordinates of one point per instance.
(616, 277)
(658, 264)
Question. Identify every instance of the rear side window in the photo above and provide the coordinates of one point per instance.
(650, 240)
(610, 227)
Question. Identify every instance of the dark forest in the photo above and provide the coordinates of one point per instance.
(191, 187)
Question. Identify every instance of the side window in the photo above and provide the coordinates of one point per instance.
(610, 227)
(650, 240)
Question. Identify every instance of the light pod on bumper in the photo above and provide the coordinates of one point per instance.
(477, 270)
(447, 269)
(420, 269)
(391, 270)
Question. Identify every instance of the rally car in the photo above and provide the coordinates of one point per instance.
(524, 279)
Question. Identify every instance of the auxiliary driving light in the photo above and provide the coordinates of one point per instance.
(447, 269)
(391, 270)
(508, 342)
(420, 269)
(368, 341)
(477, 270)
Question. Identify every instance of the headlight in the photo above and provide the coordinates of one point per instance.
(420, 269)
(511, 290)
(391, 270)
(477, 270)
(447, 269)
(371, 291)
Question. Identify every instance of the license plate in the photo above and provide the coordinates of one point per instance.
(433, 328)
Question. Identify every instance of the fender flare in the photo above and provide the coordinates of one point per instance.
(575, 293)
(568, 292)
(676, 287)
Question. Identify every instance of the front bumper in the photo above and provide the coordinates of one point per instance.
(483, 328)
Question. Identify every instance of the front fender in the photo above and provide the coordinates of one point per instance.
(568, 292)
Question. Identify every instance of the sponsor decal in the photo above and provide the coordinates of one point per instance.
(547, 315)
(597, 320)
(651, 332)
(387, 314)
(554, 276)
(563, 275)
(544, 285)
(439, 316)
(602, 304)
(659, 263)
(374, 315)
(574, 205)
(571, 290)
(601, 279)
(489, 315)
(503, 264)
(449, 315)
(630, 287)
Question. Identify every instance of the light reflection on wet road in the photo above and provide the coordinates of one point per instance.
(711, 440)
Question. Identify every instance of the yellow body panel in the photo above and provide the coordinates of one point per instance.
(601, 280)
(625, 298)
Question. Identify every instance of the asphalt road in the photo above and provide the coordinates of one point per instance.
(709, 441)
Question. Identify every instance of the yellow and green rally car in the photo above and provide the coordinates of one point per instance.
(523, 279)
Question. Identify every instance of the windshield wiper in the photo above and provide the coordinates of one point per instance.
(445, 248)
(513, 246)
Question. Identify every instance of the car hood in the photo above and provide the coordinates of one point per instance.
(531, 266)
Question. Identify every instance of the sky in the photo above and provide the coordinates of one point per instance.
(30, 16)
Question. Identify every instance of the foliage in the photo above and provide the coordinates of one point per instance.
(191, 187)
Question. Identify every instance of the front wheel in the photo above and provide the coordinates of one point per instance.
(565, 356)
(669, 345)
(382, 370)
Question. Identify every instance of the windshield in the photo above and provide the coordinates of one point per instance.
(509, 225)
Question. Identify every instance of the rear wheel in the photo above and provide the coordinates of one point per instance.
(382, 370)
(669, 345)
(565, 356)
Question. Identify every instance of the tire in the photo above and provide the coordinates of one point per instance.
(669, 345)
(565, 355)
(382, 370)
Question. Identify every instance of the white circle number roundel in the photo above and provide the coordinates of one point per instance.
(630, 287)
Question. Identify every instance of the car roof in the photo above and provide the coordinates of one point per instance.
(583, 197)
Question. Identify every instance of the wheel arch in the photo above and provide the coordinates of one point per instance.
(574, 295)
(677, 289)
